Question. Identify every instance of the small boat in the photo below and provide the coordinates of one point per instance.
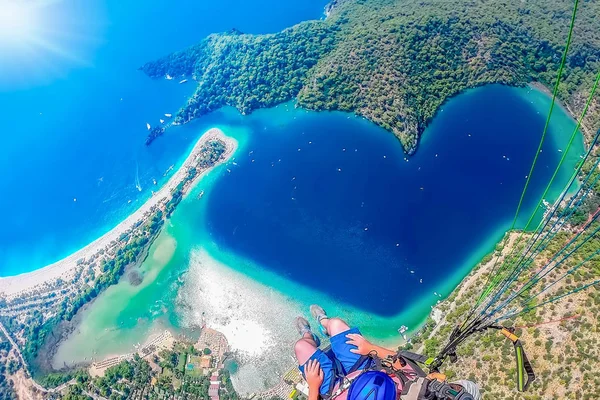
(559, 150)
(148, 126)
(402, 329)
(183, 81)
(201, 194)
(162, 121)
(168, 77)
(168, 115)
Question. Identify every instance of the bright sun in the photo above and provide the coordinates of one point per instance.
(18, 23)
(42, 40)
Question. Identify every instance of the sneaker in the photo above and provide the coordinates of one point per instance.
(318, 313)
(303, 327)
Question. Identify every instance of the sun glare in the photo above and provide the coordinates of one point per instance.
(18, 22)
(41, 40)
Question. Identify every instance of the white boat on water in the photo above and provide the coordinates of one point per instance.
(402, 329)
(168, 77)
(168, 170)
(148, 126)
(168, 115)
(162, 121)
(182, 81)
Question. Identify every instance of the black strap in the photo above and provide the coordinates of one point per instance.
(363, 359)
(412, 359)
(338, 377)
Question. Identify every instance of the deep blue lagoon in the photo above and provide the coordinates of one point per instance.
(330, 201)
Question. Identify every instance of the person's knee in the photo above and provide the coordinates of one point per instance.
(300, 346)
(303, 350)
(336, 325)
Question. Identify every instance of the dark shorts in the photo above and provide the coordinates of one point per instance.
(341, 351)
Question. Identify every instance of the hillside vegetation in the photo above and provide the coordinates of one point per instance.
(394, 62)
(561, 339)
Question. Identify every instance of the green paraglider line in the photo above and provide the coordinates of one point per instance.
(495, 282)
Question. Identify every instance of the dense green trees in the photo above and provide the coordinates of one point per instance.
(394, 62)
(135, 379)
(246, 71)
(6, 386)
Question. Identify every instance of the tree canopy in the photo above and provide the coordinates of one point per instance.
(394, 62)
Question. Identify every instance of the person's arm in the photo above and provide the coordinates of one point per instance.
(314, 377)
(364, 347)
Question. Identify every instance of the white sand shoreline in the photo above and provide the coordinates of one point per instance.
(13, 285)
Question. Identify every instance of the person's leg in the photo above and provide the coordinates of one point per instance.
(334, 326)
(307, 348)
(337, 329)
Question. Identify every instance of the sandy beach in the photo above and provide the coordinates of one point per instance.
(66, 268)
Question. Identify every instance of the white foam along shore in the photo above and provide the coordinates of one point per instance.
(66, 268)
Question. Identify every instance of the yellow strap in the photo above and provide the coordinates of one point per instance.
(511, 336)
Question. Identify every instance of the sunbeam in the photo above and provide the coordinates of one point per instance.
(41, 40)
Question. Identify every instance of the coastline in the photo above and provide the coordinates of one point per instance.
(66, 268)
(587, 132)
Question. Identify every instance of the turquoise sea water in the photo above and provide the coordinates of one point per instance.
(282, 226)
(74, 111)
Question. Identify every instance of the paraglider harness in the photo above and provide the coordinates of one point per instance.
(414, 382)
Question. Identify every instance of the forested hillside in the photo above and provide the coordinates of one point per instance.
(394, 62)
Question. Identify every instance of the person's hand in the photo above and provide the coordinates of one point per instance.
(314, 375)
(364, 347)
